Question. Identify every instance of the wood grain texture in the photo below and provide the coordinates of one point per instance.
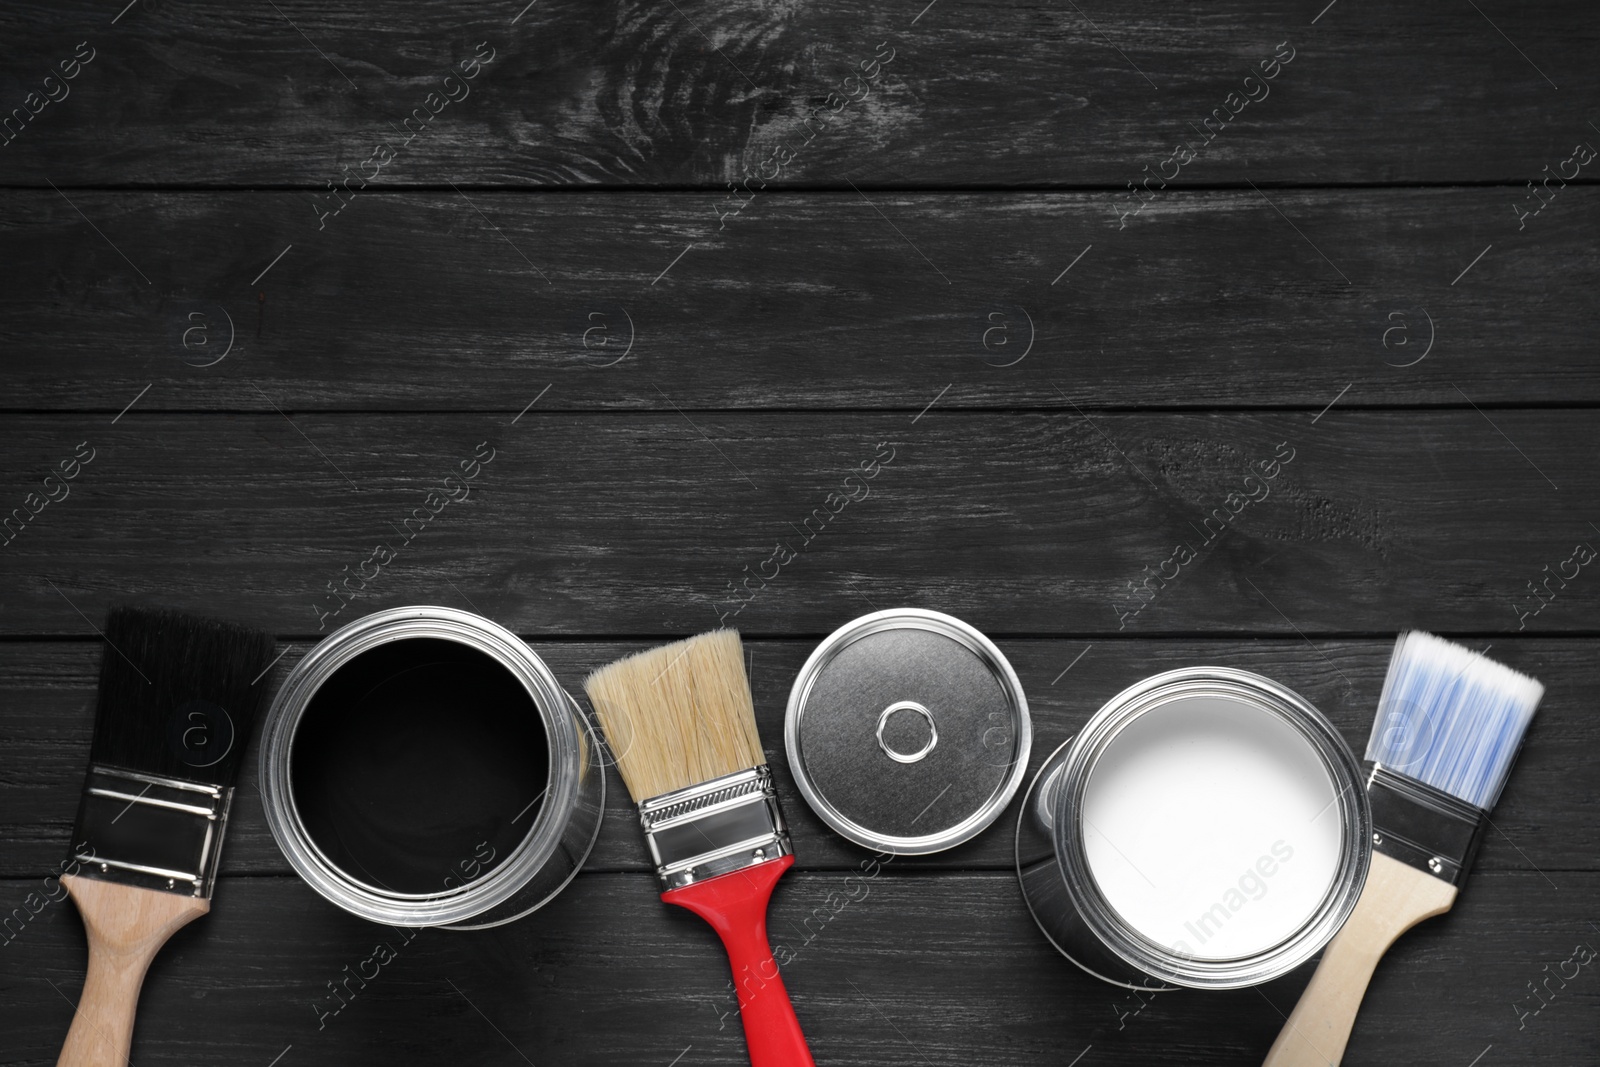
(1542, 823)
(913, 970)
(1005, 92)
(1395, 899)
(661, 524)
(477, 301)
(270, 374)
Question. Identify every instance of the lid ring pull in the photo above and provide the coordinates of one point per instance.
(907, 757)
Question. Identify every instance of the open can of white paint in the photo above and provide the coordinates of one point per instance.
(1207, 828)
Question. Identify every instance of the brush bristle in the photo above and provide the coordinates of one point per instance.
(163, 675)
(1451, 718)
(678, 715)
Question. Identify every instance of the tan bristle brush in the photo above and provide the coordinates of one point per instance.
(682, 728)
(1450, 722)
(176, 704)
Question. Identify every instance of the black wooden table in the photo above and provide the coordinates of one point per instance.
(271, 270)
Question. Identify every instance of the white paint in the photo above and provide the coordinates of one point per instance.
(1210, 826)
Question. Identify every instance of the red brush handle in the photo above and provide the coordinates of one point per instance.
(735, 905)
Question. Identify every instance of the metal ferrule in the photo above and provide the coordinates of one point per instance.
(150, 831)
(726, 824)
(1424, 827)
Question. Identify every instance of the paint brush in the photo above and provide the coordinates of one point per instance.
(176, 703)
(1449, 725)
(682, 728)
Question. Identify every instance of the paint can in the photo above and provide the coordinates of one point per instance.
(1207, 828)
(907, 731)
(422, 766)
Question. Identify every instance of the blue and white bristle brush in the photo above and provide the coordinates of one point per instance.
(1449, 725)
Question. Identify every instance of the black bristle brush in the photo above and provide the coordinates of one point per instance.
(178, 698)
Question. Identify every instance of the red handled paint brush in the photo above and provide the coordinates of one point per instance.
(682, 727)
(176, 704)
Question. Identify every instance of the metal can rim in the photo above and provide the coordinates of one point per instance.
(472, 899)
(1030, 823)
(1158, 961)
(977, 643)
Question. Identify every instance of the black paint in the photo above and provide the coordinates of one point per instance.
(411, 757)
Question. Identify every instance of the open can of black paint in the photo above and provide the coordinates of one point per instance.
(423, 767)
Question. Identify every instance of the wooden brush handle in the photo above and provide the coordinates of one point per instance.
(1395, 899)
(127, 926)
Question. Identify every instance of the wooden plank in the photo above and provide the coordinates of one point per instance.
(1542, 823)
(661, 524)
(947, 970)
(1001, 91)
(478, 301)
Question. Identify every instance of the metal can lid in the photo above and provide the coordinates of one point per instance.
(907, 731)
